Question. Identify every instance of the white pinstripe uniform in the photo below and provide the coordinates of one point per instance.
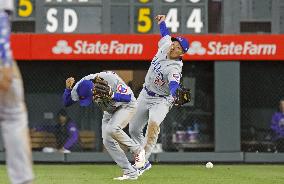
(13, 114)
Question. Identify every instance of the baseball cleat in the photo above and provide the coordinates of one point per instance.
(146, 167)
(140, 159)
(126, 177)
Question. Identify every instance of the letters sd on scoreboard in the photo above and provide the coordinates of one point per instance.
(113, 16)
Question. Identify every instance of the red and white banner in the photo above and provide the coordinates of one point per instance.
(144, 47)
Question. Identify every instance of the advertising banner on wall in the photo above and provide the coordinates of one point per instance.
(144, 47)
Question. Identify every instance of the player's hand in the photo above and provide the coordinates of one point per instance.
(5, 78)
(70, 82)
(160, 18)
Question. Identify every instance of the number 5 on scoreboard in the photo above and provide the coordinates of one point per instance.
(25, 8)
(144, 23)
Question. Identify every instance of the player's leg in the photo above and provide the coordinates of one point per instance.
(14, 116)
(18, 150)
(139, 120)
(114, 128)
(157, 114)
(120, 120)
(115, 150)
(119, 157)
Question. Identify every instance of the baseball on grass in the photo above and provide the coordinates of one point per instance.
(209, 165)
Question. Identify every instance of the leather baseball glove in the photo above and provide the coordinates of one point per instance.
(101, 88)
(182, 96)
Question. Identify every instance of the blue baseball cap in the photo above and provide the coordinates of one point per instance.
(182, 41)
(85, 92)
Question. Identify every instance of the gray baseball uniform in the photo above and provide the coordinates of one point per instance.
(13, 113)
(155, 101)
(116, 116)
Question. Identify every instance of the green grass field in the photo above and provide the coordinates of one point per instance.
(159, 174)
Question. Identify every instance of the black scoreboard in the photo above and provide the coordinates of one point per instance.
(113, 16)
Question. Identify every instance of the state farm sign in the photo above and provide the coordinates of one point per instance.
(219, 48)
(97, 47)
(143, 47)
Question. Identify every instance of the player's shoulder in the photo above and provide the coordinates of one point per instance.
(174, 63)
(111, 77)
(173, 66)
(108, 75)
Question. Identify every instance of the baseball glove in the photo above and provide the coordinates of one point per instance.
(182, 96)
(101, 88)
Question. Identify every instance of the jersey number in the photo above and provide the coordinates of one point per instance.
(159, 82)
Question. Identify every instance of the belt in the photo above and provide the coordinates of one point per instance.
(151, 93)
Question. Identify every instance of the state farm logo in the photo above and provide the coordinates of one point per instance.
(85, 47)
(232, 48)
(62, 47)
(196, 48)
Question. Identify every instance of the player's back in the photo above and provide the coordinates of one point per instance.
(116, 84)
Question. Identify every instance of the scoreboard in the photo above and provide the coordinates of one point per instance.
(113, 16)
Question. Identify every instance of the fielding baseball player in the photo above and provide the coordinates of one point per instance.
(13, 114)
(118, 103)
(160, 91)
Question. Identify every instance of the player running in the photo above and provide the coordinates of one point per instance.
(159, 90)
(118, 103)
(13, 113)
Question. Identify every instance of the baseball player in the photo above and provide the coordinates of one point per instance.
(118, 103)
(159, 90)
(13, 114)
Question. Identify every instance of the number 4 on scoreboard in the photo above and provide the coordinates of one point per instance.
(193, 22)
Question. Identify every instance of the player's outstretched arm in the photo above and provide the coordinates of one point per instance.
(67, 100)
(163, 28)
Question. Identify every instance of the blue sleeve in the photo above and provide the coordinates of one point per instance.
(118, 97)
(163, 29)
(73, 136)
(173, 85)
(67, 100)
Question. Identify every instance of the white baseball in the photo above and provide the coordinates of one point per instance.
(209, 165)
